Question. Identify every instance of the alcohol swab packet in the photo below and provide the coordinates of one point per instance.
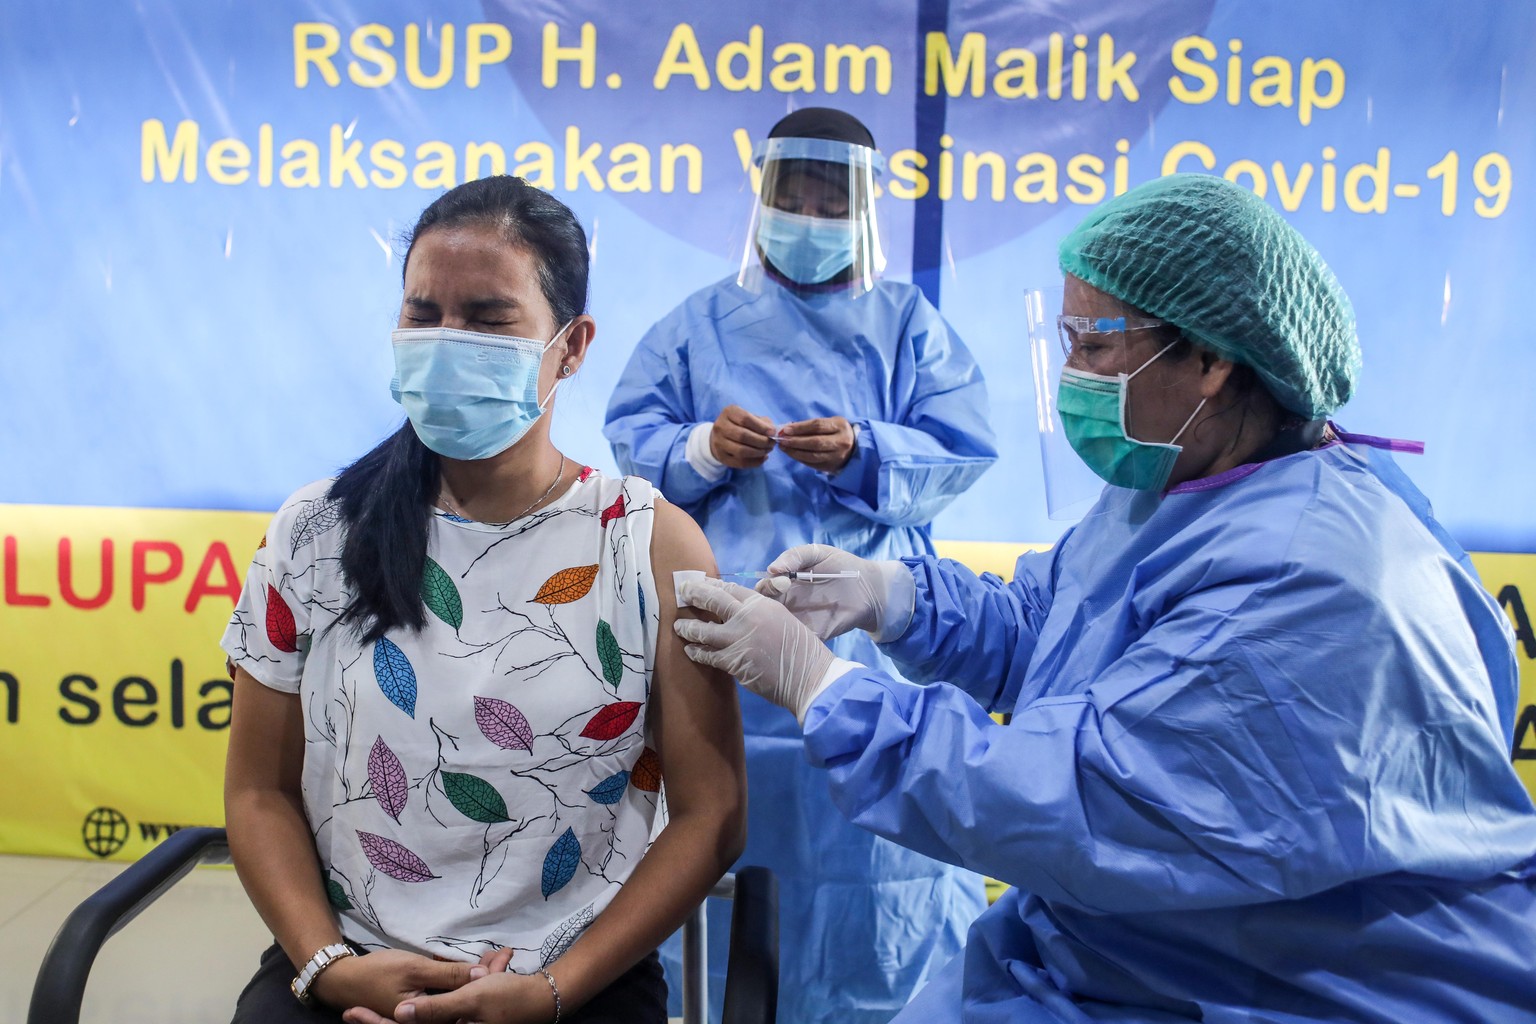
(681, 576)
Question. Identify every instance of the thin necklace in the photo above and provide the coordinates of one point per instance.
(442, 496)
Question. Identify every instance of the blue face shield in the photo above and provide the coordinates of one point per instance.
(807, 250)
(469, 395)
(813, 219)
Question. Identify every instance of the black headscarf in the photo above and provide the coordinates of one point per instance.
(823, 123)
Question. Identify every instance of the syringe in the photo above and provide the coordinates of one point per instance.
(681, 576)
(798, 577)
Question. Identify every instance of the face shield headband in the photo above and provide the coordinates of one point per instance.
(814, 223)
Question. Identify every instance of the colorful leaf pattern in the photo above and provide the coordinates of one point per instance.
(503, 724)
(472, 772)
(388, 778)
(334, 893)
(393, 859)
(280, 628)
(567, 585)
(440, 595)
(646, 774)
(396, 677)
(610, 789)
(319, 516)
(608, 654)
(560, 940)
(560, 863)
(474, 798)
(611, 721)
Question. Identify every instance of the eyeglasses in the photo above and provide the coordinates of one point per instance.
(1072, 329)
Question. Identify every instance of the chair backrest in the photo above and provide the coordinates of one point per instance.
(60, 985)
(752, 969)
(752, 966)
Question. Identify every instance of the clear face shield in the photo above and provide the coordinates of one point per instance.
(813, 221)
(1092, 351)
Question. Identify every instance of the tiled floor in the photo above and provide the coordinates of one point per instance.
(183, 960)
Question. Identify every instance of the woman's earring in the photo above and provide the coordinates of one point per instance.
(565, 369)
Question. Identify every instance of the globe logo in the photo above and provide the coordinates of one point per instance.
(105, 831)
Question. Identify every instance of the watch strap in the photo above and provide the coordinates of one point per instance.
(322, 959)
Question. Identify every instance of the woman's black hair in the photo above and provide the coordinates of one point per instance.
(386, 496)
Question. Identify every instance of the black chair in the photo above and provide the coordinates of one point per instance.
(752, 970)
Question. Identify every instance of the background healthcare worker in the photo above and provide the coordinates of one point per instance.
(806, 400)
(1259, 761)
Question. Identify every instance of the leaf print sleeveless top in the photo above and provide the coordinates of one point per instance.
(486, 782)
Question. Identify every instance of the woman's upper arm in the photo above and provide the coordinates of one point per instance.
(696, 721)
(266, 739)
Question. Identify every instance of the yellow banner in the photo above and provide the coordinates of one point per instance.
(114, 697)
(1512, 579)
(114, 701)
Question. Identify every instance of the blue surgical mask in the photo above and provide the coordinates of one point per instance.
(469, 395)
(1092, 409)
(807, 250)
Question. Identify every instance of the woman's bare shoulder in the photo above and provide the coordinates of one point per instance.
(677, 542)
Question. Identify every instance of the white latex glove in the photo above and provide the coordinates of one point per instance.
(757, 641)
(879, 600)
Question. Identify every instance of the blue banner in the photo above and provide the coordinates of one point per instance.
(200, 204)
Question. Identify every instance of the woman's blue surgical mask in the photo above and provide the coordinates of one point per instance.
(469, 395)
(807, 250)
(1092, 409)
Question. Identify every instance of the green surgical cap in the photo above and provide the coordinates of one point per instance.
(1226, 268)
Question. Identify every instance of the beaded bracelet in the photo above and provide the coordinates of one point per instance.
(555, 991)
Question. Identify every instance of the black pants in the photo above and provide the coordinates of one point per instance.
(638, 996)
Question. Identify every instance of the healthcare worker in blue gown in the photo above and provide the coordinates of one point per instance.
(807, 400)
(1258, 764)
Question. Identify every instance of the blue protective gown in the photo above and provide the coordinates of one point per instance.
(864, 921)
(1258, 767)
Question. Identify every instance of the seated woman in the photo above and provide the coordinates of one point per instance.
(457, 688)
